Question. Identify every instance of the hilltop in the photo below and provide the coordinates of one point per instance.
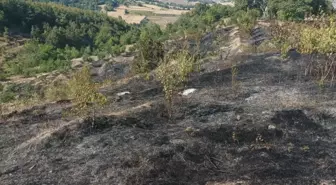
(219, 97)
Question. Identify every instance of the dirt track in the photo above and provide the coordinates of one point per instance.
(277, 127)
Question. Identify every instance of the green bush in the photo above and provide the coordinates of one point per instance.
(85, 94)
(6, 97)
(12, 91)
(57, 92)
(59, 34)
(246, 20)
(37, 58)
(150, 54)
(174, 71)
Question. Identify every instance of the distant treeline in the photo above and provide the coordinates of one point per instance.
(85, 4)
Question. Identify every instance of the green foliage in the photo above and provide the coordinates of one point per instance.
(320, 40)
(296, 10)
(246, 20)
(316, 39)
(286, 36)
(61, 32)
(85, 93)
(174, 71)
(109, 7)
(130, 37)
(199, 19)
(57, 91)
(150, 53)
(38, 58)
(2, 15)
(12, 91)
(86, 4)
(285, 9)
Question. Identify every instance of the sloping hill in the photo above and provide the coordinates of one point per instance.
(275, 127)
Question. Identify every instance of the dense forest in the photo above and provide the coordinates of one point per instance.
(286, 9)
(58, 34)
(85, 4)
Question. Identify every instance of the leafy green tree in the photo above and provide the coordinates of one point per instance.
(150, 53)
(246, 20)
(85, 94)
(35, 33)
(173, 72)
(296, 10)
(54, 36)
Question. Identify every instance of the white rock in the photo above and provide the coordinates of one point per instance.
(123, 93)
(77, 62)
(94, 58)
(188, 91)
(271, 127)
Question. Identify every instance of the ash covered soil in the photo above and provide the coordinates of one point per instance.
(276, 127)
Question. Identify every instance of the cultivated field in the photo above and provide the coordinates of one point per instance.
(181, 2)
(156, 14)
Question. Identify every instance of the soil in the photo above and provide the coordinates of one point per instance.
(275, 127)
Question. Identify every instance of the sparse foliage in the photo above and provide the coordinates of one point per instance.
(246, 20)
(174, 72)
(150, 54)
(320, 41)
(85, 94)
(316, 39)
(57, 92)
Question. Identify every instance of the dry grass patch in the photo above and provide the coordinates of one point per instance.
(162, 21)
(156, 14)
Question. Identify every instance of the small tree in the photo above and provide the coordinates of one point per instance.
(85, 94)
(173, 72)
(151, 53)
(6, 34)
(246, 20)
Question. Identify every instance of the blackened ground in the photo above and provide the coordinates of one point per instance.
(276, 127)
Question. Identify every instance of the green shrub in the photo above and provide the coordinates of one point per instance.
(57, 92)
(246, 20)
(36, 58)
(6, 97)
(12, 91)
(85, 94)
(150, 54)
(173, 72)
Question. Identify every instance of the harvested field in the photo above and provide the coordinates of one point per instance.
(181, 2)
(156, 14)
(162, 21)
